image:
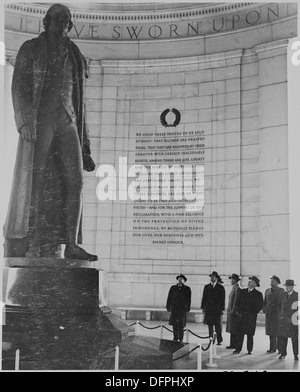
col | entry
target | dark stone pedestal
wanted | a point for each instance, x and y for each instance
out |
(145, 353)
(53, 316)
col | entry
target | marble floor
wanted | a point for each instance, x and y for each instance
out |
(259, 360)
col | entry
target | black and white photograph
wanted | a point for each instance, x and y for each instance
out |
(150, 154)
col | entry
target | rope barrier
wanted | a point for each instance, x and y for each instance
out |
(197, 336)
(170, 330)
(144, 326)
(184, 355)
(208, 346)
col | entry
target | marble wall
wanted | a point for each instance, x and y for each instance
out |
(248, 174)
(232, 86)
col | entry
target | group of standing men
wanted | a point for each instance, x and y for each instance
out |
(244, 304)
(281, 307)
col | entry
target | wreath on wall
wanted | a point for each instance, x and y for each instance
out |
(164, 121)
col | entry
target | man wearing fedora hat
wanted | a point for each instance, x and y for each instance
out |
(213, 305)
(272, 303)
(232, 318)
(250, 303)
(179, 304)
(288, 323)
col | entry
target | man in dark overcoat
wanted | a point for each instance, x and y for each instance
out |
(272, 301)
(48, 98)
(232, 319)
(288, 321)
(179, 304)
(250, 303)
(213, 305)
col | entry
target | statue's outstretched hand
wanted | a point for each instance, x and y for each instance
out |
(28, 133)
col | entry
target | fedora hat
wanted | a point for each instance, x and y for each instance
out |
(181, 276)
(235, 276)
(276, 278)
(289, 282)
(215, 274)
(256, 280)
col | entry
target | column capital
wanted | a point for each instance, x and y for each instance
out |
(266, 50)
(11, 60)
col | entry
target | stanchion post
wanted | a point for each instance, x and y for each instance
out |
(215, 356)
(17, 360)
(117, 357)
(211, 361)
(137, 328)
(161, 331)
(199, 357)
(187, 336)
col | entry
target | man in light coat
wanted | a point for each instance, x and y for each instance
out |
(232, 318)
(272, 303)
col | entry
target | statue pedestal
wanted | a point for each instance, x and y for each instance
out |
(56, 314)
(149, 353)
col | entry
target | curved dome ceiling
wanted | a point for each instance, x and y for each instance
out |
(129, 7)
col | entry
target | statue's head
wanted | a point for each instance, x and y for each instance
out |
(58, 19)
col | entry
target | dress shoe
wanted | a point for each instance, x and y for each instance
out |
(281, 357)
(249, 353)
(236, 352)
(271, 351)
(296, 358)
(219, 344)
(74, 251)
(230, 347)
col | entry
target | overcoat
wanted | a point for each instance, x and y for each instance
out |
(232, 318)
(272, 303)
(28, 78)
(213, 303)
(249, 305)
(288, 323)
(178, 303)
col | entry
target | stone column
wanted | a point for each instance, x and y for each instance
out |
(249, 165)
(273, 160)
(9, 138)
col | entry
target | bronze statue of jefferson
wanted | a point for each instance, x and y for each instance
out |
(48, 97)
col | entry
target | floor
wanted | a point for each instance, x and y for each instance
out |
(259, 360)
